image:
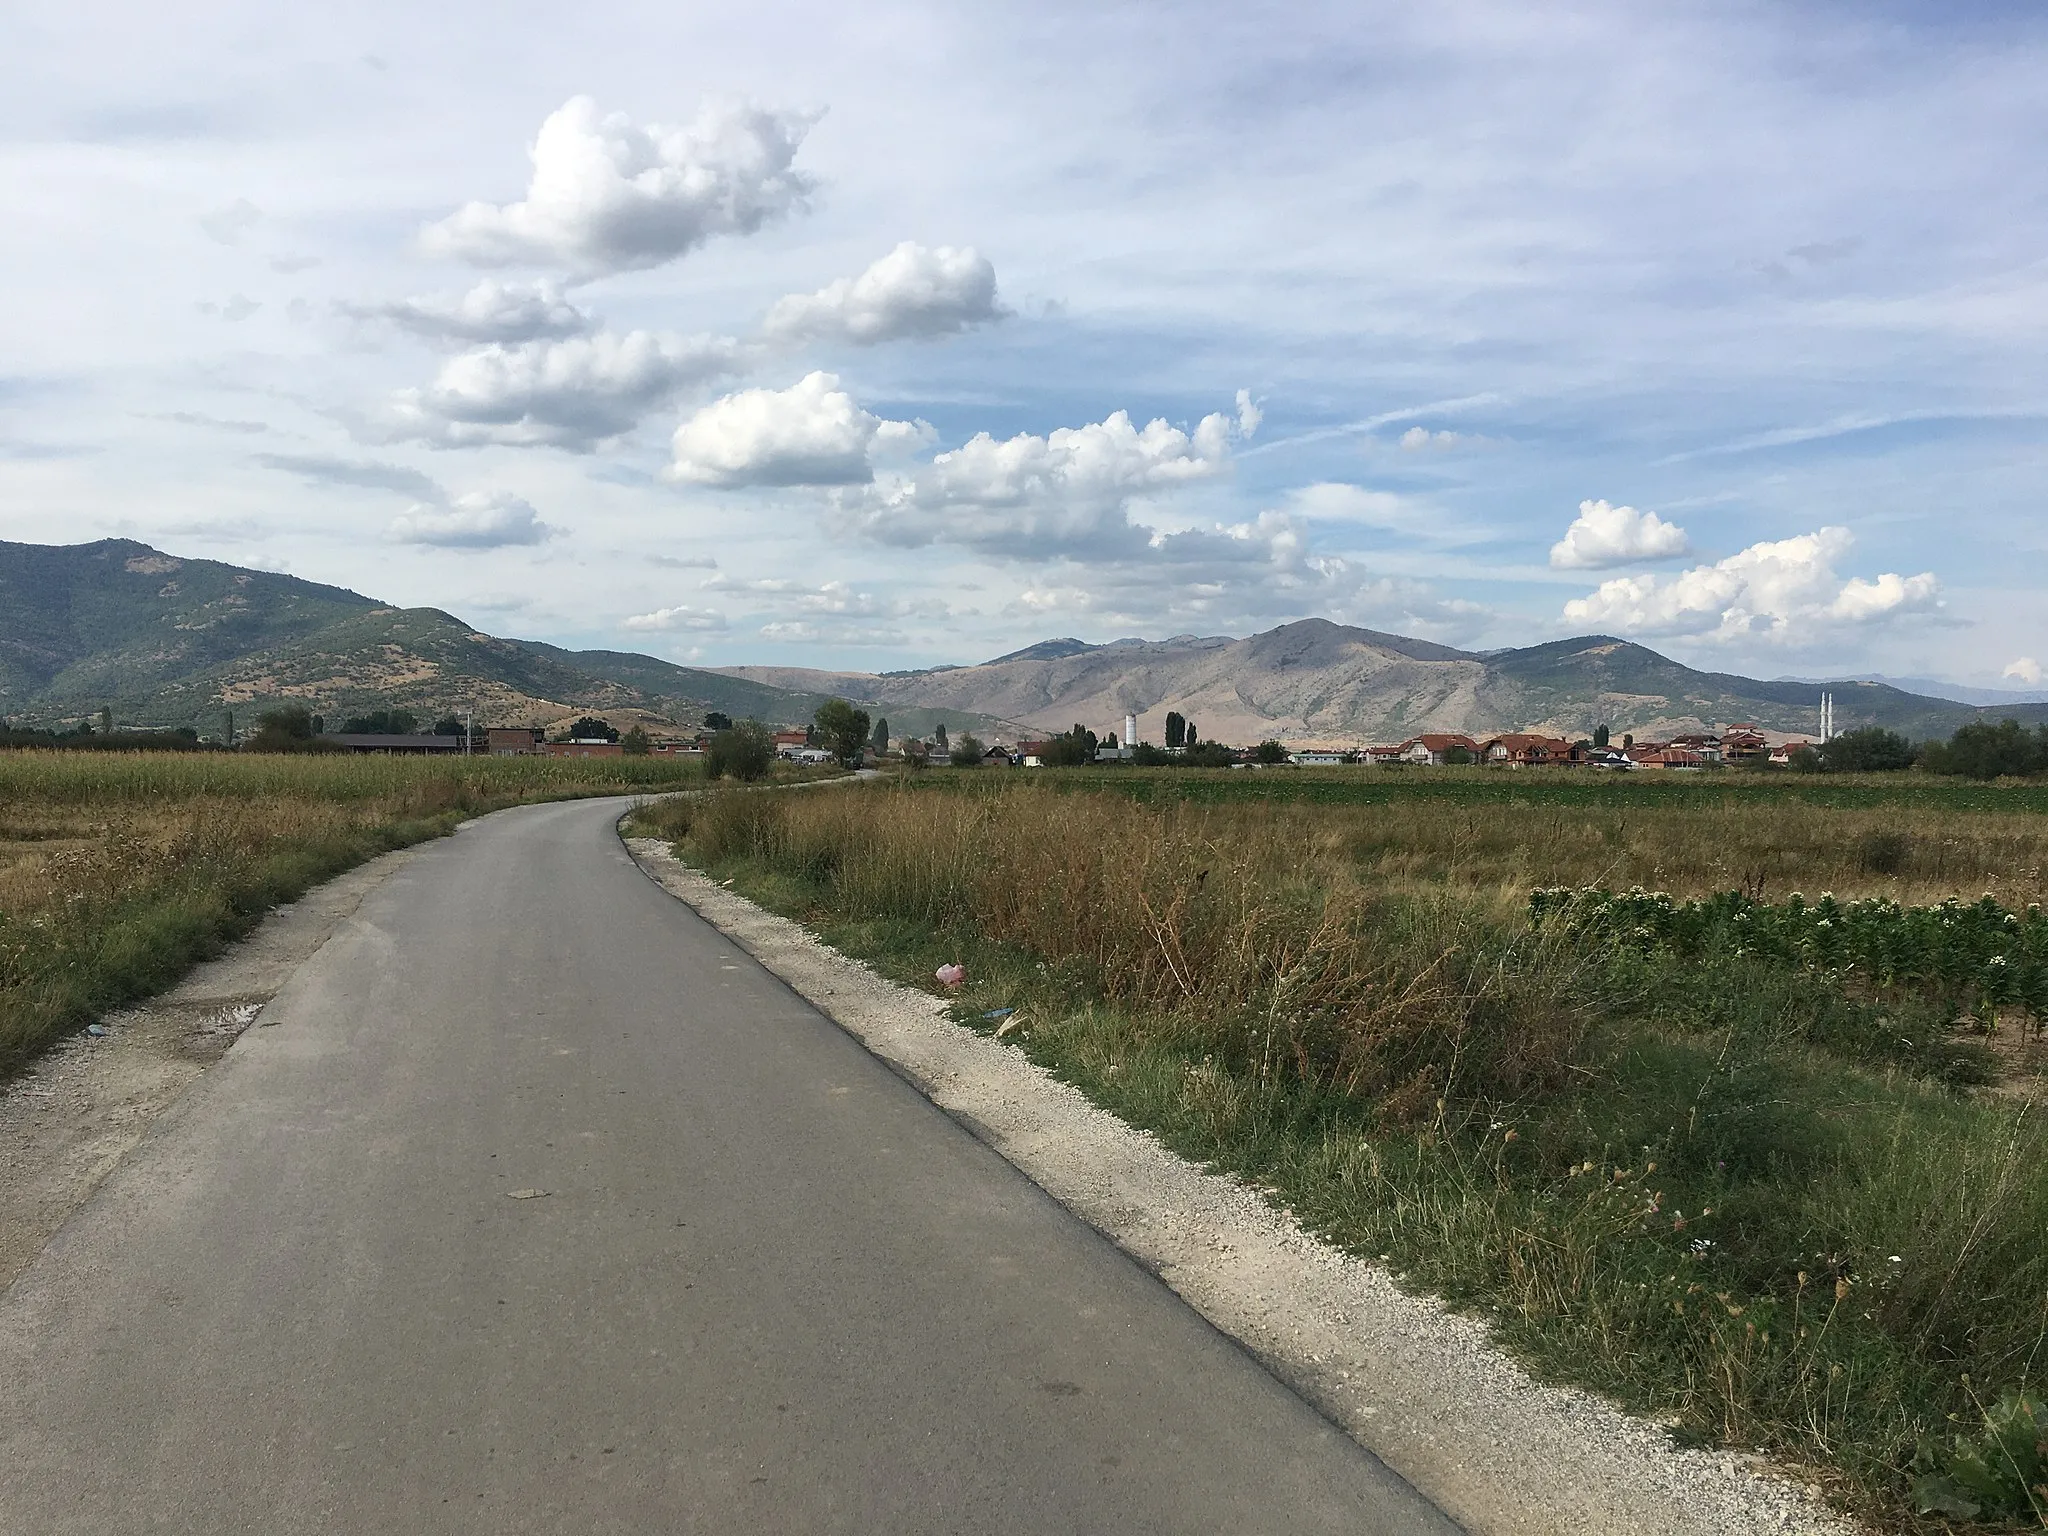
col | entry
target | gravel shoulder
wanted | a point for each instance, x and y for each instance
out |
(1417, 1385)
(67, 1122)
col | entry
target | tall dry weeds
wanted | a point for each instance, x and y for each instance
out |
(1248, 933)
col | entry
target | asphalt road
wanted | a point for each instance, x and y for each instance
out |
(768, 1286)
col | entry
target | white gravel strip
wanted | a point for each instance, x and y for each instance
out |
(1419, 1386)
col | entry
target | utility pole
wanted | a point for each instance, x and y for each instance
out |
(468, 729)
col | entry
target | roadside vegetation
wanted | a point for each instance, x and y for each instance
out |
(119, 871)
(1774, 1172)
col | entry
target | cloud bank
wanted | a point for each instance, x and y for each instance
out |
(1068, 493)
(809, 434)
(609, 196)
(1784, 592)
(914, 291)
(479, 520)
(1602, 537)
(573, 394)
(489, 312)
(681, 617)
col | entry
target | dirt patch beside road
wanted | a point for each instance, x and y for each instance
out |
(67, 1122)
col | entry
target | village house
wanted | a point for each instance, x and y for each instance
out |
(1431, 747)
(1664, 754)
(789, 743)
(1524, 749)
(1743, 743)
(513, 740)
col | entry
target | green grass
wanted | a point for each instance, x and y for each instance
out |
(119, 872)
(1724, 1193)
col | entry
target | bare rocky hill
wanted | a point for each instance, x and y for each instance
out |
(1319, 682)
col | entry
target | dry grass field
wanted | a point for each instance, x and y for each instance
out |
(118, 871)
(1732, 1188)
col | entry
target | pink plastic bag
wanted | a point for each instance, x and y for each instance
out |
(951, 975)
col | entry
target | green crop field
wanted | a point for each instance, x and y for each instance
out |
(1772, 1168)
(119, 871)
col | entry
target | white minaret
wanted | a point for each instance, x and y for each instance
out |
(1130, 732)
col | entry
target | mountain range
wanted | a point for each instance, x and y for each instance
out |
(163, 640)
(1315, 682)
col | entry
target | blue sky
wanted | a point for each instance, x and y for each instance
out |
(833, 336)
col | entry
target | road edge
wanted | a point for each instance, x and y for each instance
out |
(1415, 1384)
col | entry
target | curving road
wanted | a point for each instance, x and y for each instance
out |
(767, 1287)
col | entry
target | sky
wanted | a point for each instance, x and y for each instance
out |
(893, 335)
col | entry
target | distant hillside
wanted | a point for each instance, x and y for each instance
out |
(1315, 681)
(162, 640)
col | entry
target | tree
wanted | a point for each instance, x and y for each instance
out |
(880, 740)
(1070, 749)
(1269, 751)
(447, 725)
(1869, 749)
(288, 728)
(384, 722)
(1188, 736)
(635, 743)
(106, 721)
(589, 728)
(741, 752)
(717, 720)
(841, 730)
(1601, 736)
(1176, 728)
(1803, 759)
(1207, 754)
(939, 737)
(1981, 750)
(1459, 756)
(966, 753)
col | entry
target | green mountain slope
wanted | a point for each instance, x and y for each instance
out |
(116, 624)
(162, 640)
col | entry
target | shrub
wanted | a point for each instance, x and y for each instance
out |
(742, 752)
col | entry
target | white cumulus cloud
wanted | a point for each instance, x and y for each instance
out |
(681, 617)
(1603, 536)
(2024, 669)
(1783, 591)
(608, 195)
(478, 520)
(915, 290)
(1067, 493)
(812, 433)
(489, 312)
(572, 394)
